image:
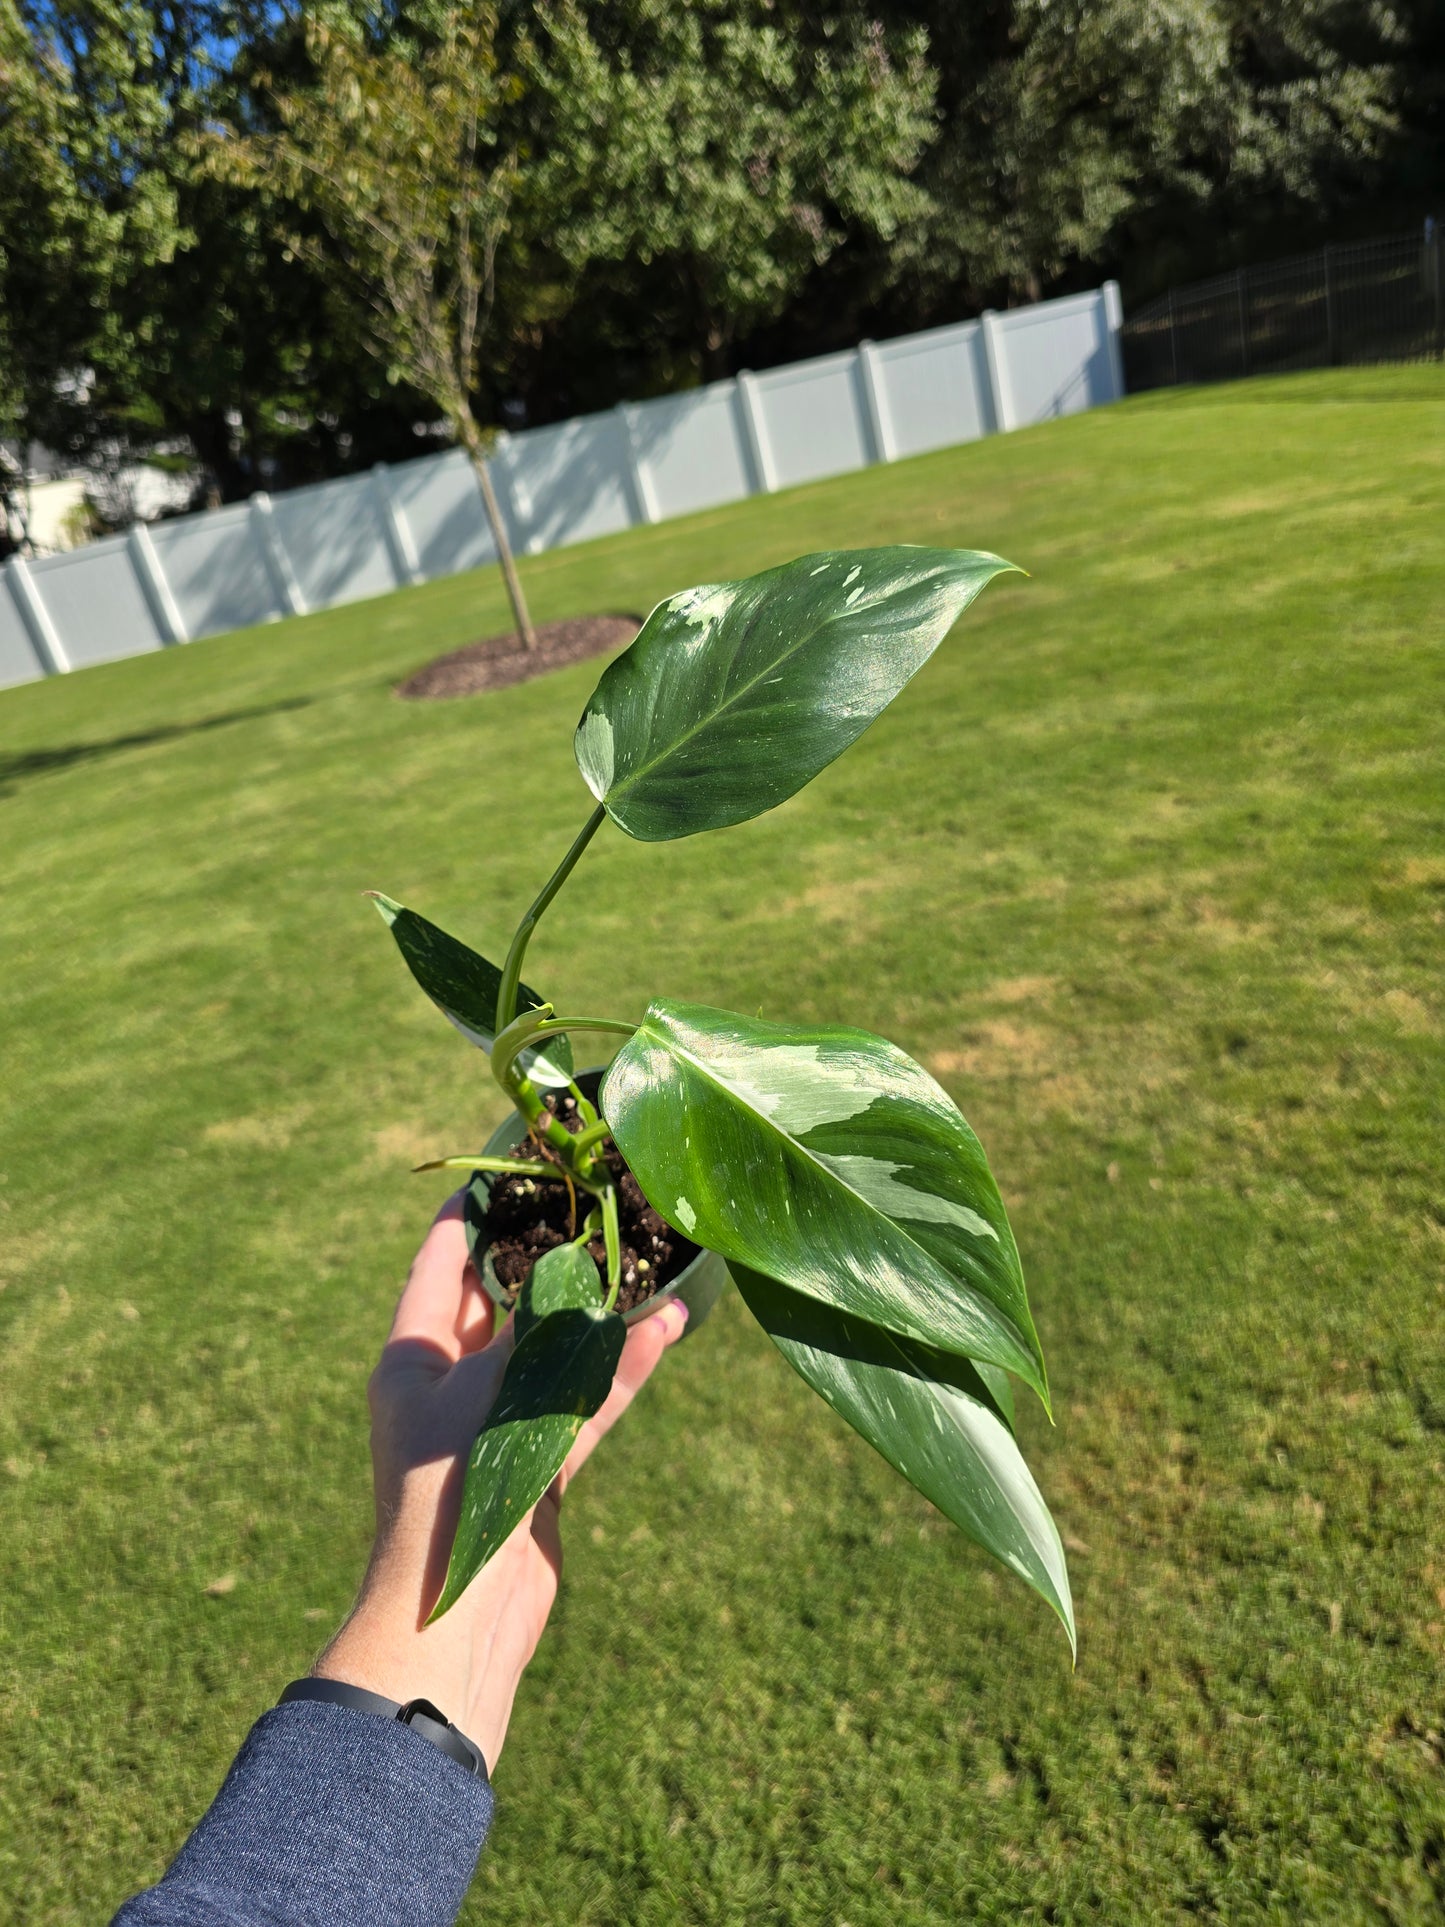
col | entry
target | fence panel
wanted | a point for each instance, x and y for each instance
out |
(97, 604)
(216, 571)
(18, 660)
(815, 419)
(1056, 359)
(439, 497)
(334, 541)
(935, 388)
(575, 478)
(690, 449)
(362, 535)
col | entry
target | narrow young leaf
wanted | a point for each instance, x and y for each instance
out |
(734, 695)
(934, 1419)
(563, 1279)
(559, 1375)
(826, 1158)
(464, 986)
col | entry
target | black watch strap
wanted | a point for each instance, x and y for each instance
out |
(420, 1715)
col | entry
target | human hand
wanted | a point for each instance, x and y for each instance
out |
(439, 1375)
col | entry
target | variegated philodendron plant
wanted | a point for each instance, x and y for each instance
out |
(852, 1203)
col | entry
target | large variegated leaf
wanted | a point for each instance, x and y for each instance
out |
(559, 1375)
(828, 1159)
(464, 986)
(932, 1417)
(736, 694)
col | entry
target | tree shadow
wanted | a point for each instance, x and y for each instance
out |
(40, 762)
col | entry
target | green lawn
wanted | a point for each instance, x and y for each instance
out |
(1147, 865)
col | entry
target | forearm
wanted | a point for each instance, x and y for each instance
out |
(327, 1816)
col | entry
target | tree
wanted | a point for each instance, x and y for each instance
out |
(1076, 133)
(399, 156)
(691, 166)
(87, 203)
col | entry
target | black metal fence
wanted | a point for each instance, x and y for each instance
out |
(1372, 301)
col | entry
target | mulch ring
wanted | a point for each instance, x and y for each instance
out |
(500, 661)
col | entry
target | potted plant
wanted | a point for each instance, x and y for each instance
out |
(835, 1180)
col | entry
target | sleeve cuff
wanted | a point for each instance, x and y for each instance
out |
(329, 1817)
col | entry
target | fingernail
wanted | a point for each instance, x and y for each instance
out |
(677, 1316)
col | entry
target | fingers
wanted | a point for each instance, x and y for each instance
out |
(443, 1304)
(478, 1319)
(646, 1342)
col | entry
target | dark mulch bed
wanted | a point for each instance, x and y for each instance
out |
(499, 661)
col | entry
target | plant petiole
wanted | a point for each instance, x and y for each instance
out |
(553, 1026)
(512, 969)
(612, 1236)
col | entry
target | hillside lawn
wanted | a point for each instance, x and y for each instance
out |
(1147, 865)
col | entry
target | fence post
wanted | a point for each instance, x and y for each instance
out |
(278, 563)
(1241, 295)
(1439, 294)
(875, 402)
(400, 547)
(995, 359)
(639, 481)
(755, 432)
(1113, 334)
(44, 636)
(147, 565)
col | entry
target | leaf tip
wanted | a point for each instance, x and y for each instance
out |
(386, 907)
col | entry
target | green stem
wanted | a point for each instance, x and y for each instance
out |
(553, 1026)
(589, 1229)
(512, 970)
(612, 1235)
(594, 1134)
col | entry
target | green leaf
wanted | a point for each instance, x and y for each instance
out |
(735, 694)
(559, 1375)
(464, 987)
(563, 1279)
(932, 1417)
(1000, 1389)
(828, 1159)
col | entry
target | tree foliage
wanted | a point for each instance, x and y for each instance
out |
(431, 209)
(401, 155)
(696, 165)
(88, 204)
(1075, 132)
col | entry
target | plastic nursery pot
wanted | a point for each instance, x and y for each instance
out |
(699, 1285)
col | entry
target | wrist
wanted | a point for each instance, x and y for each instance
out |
(373, 1651)
(386, 1655)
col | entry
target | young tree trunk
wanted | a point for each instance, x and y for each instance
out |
(472, 441)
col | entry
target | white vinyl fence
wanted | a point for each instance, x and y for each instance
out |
(335, 542)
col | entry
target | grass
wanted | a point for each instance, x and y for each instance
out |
(1147, 864)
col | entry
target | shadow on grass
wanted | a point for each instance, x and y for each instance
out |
(39, 762)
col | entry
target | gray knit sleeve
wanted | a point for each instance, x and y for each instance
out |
(327, 1818)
